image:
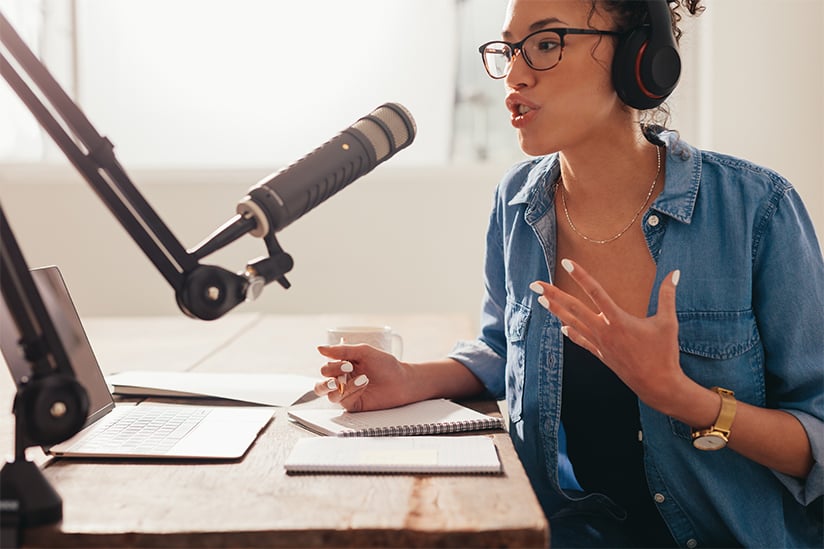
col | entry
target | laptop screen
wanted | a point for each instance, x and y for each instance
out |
(63, 314)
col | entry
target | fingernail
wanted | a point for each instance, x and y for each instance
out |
(676, 276)
(361, 380)
(544, 301)
(343, 379)
(346, 367)
(565, 330)
(567, 265)
(536, 287)
(331, 384)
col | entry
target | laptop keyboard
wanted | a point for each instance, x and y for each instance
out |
(144, 430)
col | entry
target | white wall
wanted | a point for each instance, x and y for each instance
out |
(410, 237)
(228, 84)
(399, 239)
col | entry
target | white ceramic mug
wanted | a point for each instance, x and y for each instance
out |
(380, 337)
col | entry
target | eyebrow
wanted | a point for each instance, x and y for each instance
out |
(537, 25)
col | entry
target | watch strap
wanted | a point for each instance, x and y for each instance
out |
(727, 414)
(723, 423)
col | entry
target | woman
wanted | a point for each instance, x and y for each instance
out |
(641, 419)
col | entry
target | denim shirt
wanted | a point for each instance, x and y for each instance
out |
(750, 307)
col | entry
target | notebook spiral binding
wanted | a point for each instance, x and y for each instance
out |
(424, 428)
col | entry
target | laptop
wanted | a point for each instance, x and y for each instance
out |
(145, 430)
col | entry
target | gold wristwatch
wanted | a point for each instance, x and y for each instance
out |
(717, 436)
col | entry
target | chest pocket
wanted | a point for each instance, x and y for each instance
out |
(722, 348)
(717, 335)
(517, 320)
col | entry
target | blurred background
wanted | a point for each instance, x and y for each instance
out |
(203, 98)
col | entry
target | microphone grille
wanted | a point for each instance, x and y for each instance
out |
(392, 118)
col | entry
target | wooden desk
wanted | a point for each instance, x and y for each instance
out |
(252, 502)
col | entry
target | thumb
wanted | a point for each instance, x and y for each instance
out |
(666, 295)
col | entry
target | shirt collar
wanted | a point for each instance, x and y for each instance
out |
(537, 192)
(683, 177)
(677, 200)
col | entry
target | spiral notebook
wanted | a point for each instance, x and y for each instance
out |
(471, 454)
(428, 417)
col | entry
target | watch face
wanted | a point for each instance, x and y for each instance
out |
(709, 442)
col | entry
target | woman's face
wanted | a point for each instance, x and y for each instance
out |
(574, 101)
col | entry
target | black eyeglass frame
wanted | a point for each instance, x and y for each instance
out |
(518, 46)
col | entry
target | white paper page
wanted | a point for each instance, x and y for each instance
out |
(424, 417)
(424, 454)
(267, 389)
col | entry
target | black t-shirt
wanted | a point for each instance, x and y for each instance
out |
(602, 424)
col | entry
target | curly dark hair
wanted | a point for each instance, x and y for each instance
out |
(629, 14)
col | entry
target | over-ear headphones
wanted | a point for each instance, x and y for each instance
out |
(647, 65)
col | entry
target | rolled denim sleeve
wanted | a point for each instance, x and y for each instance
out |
(788, 298)
(485, 363)
(807, 491)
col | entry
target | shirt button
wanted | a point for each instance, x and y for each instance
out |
(692, 544)
(653, 221)
(659, 498)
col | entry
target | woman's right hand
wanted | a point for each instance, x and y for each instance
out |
(371, 379)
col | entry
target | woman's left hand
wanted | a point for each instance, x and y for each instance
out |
(643, 352)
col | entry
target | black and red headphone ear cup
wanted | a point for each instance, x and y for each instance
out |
(660, 70)
(647, 65)
(626, 70)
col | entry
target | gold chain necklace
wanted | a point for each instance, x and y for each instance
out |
(631, 221)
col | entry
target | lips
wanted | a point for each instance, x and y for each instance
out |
(522, 110)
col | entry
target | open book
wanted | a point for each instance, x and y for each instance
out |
(426, 454)
(428, 417)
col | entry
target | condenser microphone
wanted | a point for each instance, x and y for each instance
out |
(279, 199)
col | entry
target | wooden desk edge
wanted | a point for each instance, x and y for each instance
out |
(520, 538)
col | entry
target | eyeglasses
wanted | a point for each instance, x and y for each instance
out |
(542, 50)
